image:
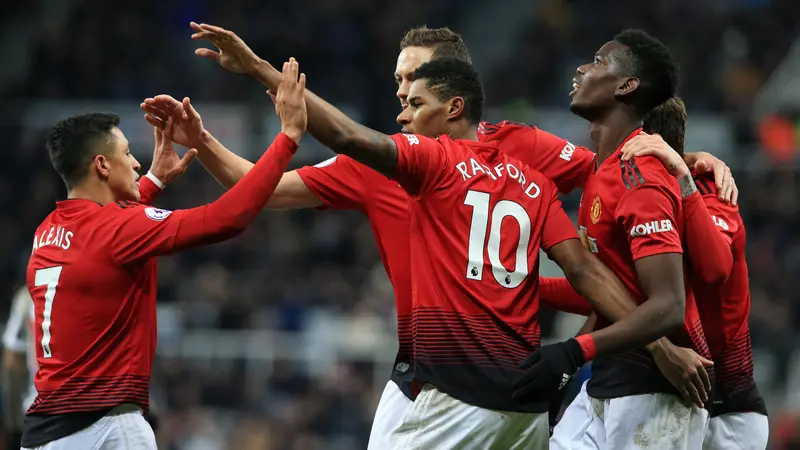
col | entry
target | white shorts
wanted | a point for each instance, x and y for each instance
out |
(652, 421)
(438, 421)
(126, 431)
(744, 431)
(389, 415)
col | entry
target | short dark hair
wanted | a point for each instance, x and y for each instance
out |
(445, 42)
(669, 120)
(452, 77)
(652, 63)
(72, 143)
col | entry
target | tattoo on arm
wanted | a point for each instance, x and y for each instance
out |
(687, 185)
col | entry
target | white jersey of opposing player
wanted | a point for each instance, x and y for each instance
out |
(18, 337)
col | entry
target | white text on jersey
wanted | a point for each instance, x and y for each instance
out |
(471, 168)
(567, 151)
(720, 223)
(656, 226)
(58, 236)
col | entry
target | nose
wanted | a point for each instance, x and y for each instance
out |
(404, 118)
(582, 69)
(402, 94)
(135, 165)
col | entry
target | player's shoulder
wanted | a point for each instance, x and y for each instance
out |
(507, 130)
(125, 210)
(705, 183)
(643, 171)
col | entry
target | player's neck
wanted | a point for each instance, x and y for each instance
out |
(610, 131)
(95, 191)
(464, 131)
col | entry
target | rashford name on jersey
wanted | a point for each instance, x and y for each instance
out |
(472, 168)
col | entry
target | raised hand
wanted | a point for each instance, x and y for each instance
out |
(686, 370)
(232, 53)
(290, 104)
(167, 165)
(188, 125)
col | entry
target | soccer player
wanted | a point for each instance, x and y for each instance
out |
(738, 412)
(18, 366)
(631, 217)
(92, 274)
(341, 183)
(474, 298)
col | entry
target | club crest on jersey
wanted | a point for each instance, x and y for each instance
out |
(596, 209)
(157, 214)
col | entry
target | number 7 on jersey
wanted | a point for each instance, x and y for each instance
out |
(47, 277)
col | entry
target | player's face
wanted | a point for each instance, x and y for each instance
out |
(408, 61)
(596, 84)
(425, 114)
(123, 169)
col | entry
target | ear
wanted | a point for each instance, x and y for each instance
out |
(455, 108)
(101, 165)
(629, 85)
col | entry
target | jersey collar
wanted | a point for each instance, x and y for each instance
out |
(77, 203)
(618, 151)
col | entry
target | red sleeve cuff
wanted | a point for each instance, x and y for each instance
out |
(283, 139)
(586, 342)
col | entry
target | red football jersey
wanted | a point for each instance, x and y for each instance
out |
(342, 183)
(92, 277)
(566, 164)
(477, 220)
(724, 310)
(631, 210)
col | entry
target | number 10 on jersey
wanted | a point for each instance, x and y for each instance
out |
(480, 201)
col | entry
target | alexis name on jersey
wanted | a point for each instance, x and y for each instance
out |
(57, 236)
(472, 168)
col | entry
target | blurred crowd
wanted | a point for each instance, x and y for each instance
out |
(290, 269)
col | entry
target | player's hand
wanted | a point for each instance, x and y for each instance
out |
(232, 53)
(702, 162)
(548, 369)
(290, 103)
(188, 125)
(686, 370)
(167, 165)
(654, 145)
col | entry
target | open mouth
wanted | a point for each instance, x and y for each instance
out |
(575, 87)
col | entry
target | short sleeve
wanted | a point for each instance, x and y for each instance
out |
(139, 232)
(648, 215)
(421, 162)
(15, 334)
(725, 217)
(557, 227)
(566, 164)
(338, 182)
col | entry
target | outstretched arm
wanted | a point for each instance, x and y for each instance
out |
(326, 123)
(225, 166)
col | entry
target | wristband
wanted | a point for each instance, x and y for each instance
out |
(149, 175)
(586, 342)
